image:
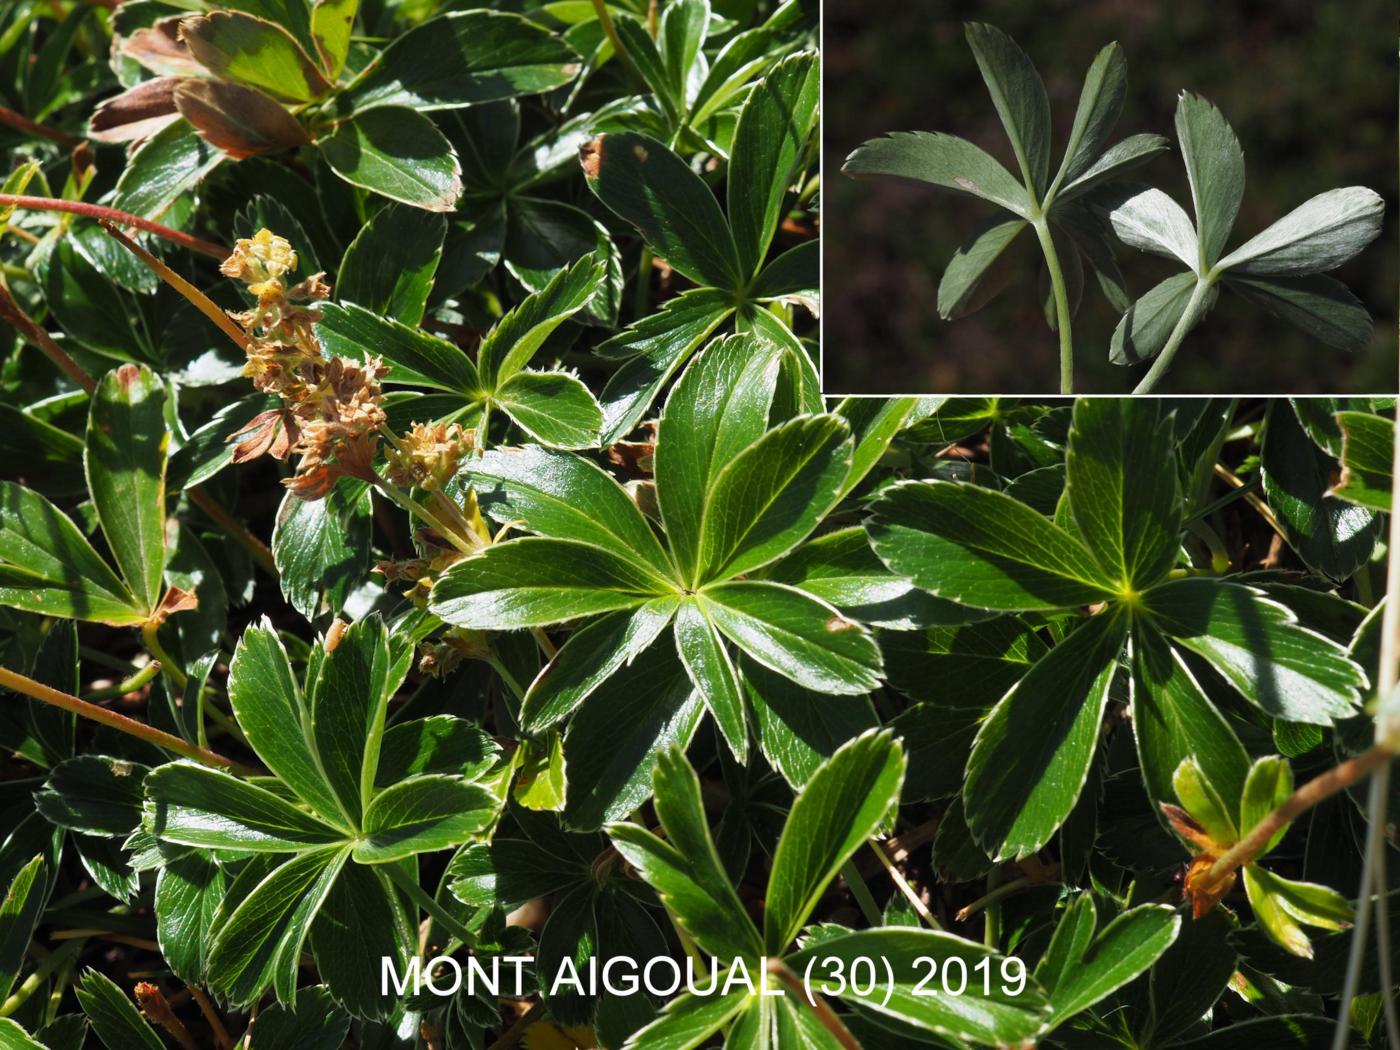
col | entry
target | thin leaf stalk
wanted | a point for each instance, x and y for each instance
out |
(114, 215)
(902, 884)
(52, 963)
(823, 1013)
(150, 634)
(1373, 864)
(1188, 320)
(19, 683)
(36, 336)
(426, 901)
(1063, 321)
(861, 892)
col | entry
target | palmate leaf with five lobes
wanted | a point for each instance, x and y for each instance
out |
(553, 407)
(1110, 551)
(847, 800)
(347, 795)
(734, 495)
(47, 566)
(725, 255)
(1280, 269)
(955, 164)
(231, 74)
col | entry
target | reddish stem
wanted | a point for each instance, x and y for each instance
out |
(23, 123)
(97, 211)
(12, 312)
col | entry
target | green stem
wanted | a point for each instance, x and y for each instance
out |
(425, 900)
(149, 631)
(413, 507)
(641, 301)
(1062, 314)
(36, 980)
(861, 892)
(128, 685)
(1189, 318)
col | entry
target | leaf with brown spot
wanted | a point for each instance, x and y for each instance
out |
(137, 113)
(238, 120)
(158, 47)
(255, 52)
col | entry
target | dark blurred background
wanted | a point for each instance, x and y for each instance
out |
(1310, 89)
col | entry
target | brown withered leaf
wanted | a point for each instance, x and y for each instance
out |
(1203, 894)
(175, 600)
(158, 47)
(239, 120)
(137, 113)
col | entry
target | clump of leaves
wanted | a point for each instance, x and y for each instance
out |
(1281, 269)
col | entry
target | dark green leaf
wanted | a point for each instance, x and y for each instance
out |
(93, 794)
(388, 268)
(115, 1020)
(554, 408)
(398, 153)
(421, 815)
(1215, 167)
(413, 357)
(1319, 305)
(943, 160)
(1020, 99)
(1368, 451)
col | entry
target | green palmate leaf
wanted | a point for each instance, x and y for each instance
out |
(554, 408)
(115, 1019)
(1202, 800)
(942, 160)
(1100, 103)
(972, 276)
(614, 738)
(168, 164)
(332, 24)
(1215, 168)
(845, 802)
(683, 28)
(268, 705)
(315, 1022)
(718, 408)
(1120, 479)
(643, 52)
(437, 744)
(645, 183)
(321, 547)
(1007, 1013)
(48, 567)
(125, 459)
(398, 153)
(464, 58)
(1113, 163)
(591, 656)
(423, 814)
(874, 426)
(706, 660)
(1021, 786)
(361, 924)
(260, 942)
(533, 582)
(1173, 720)
(800, 728)
(19, 911)
(772, 495)
(1257, 645)
(1020, 99)
(388, 268)
(1368, 450)
(793, 277)
(1080, 969)
(684, 869)
(188, 892)
(1268, 786)
(687, 1021)
(239, 120)
(1321, 306)
(565, 497)
(413, 357)
(1149, 220)
(1282, 907)
(981, 548)
(253, 51)
(515, 339)
(93, 794)
(1332, 537)
(87, 305)
(14, 1037)
(1318, 235)
(657, 345)
(795, 634)
(985, 659)
(769, 140)
(193, 805)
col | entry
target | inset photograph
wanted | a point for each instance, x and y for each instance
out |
(1108, 198)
